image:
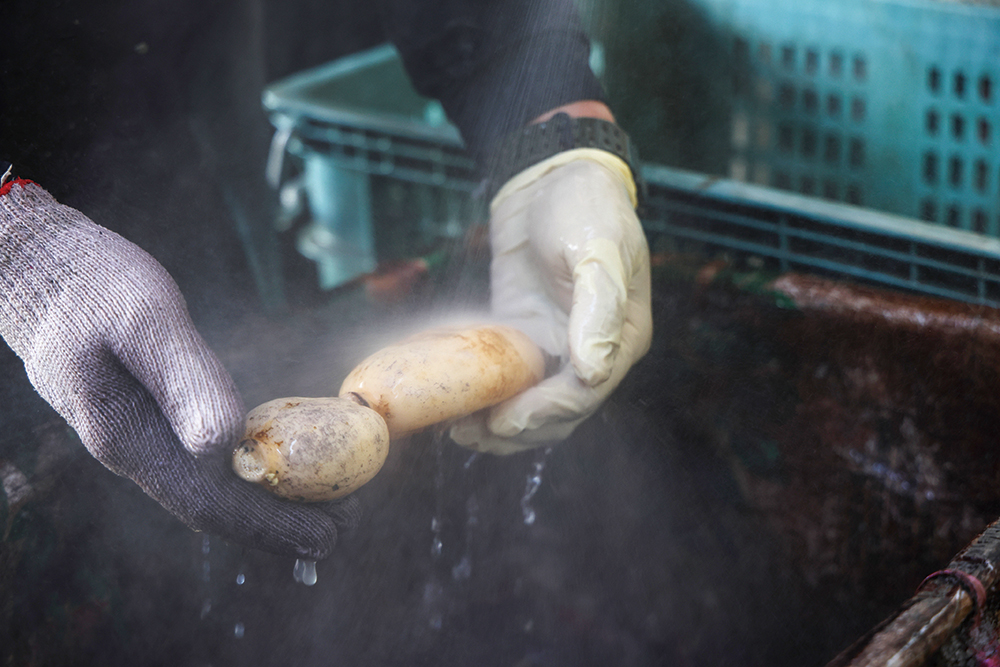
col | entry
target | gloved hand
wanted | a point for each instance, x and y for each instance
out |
(106, 339)
(570, 269)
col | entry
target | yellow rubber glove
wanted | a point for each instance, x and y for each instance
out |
(570, 269)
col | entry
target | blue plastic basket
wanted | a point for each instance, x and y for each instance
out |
(887, 104)
(362, 137)
(352, 132)
(791, 232)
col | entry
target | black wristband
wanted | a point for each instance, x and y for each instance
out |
(534, 143)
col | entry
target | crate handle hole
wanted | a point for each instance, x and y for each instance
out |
(812, 62)
(836, 64)
(985, 88)
(856, 153)
(934, 79)
(933, 122)
(860, 68)
(810, 101)
(833, 105)
(983, 131)
(959, 84)
(982, 175)
(788, 57)
(858, 109)
(958, 126)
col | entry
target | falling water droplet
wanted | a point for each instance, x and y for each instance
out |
(206, 566)
(206, 607)
(531, 487)
(238, 631)
(529, 515)
(463, 570)
(471, 512)
(433, 590)
(433, 594)
(437, 545)
(240, 579)
(305, 571)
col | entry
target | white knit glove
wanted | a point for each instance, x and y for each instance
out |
(570, 269)
(106, 339)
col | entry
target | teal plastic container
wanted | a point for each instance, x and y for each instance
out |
(383, 173)
(892, 105)
(362, 135)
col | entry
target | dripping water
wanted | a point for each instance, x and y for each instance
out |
(531, 486)
(433, 594)
(463, 570)
(304, 572)
(206, 574)
(437, 546)
(239, 629)
(433, 590)
(206, 565)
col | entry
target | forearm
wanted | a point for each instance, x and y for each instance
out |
(495, 65)
(581, 109)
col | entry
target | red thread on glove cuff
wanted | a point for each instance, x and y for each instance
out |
(18, 181)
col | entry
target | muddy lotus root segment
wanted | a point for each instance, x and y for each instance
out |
(314, 449)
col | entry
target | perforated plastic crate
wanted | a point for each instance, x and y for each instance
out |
(791, 232)
(348, 126)
(887, 104)
(367, 148)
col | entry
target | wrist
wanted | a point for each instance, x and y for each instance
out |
(537, 142)
(579, 109)
(612, 163)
